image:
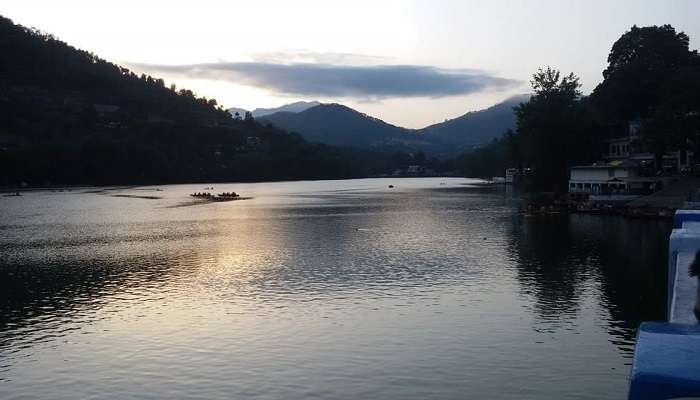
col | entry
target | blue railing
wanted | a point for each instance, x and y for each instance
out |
(667, 354)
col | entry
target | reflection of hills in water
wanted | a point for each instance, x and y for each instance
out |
(562, 260)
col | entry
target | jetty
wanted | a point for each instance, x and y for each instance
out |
(667, 354)
(674, 195)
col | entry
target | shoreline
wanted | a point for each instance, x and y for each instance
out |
(12, 189)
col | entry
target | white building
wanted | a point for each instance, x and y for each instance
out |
(626, 171)
(617, 180)
(612, 178)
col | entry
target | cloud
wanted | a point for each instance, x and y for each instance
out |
(306, 56)
(332, 80)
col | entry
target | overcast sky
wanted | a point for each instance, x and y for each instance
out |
(410, 63)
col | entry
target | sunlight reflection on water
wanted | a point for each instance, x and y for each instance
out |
(329, 289)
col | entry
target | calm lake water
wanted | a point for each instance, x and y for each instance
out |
(436, 289)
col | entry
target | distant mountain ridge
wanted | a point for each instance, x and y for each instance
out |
(295, 107)
(339, 125)
(477, 127)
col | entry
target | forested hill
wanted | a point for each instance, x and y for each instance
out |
(70, 117)
(339, 125)
(336, 124)
(38, 64)
(476, 128)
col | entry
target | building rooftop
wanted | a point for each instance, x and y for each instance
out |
(611, 164)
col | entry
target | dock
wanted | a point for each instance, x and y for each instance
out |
(674, 195)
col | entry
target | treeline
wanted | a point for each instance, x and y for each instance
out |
(652, 77)
(70, 117)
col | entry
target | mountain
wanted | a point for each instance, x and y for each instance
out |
(296, 107)
(476, 128)
(70, 117)
(339, 125)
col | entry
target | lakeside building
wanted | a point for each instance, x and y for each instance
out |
(628, 147)
(626, 172)
(614, 178)
(511, 175)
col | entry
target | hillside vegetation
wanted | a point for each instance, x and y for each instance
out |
(70, 117)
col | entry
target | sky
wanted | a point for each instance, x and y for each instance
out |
(410, 63)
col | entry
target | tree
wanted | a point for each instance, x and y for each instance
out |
(552, 130)
(638, 64)
(513, 148)
(674, 122)
(548, 83)
(486, 161)
(652, 76)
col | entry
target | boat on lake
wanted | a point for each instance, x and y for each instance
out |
(226, 196)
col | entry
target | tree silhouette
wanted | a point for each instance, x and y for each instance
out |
(653, 76)
(553, 129)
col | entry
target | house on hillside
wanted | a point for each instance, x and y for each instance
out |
(628, 147)
(626, 172)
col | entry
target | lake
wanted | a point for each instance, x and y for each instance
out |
(435, 289)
